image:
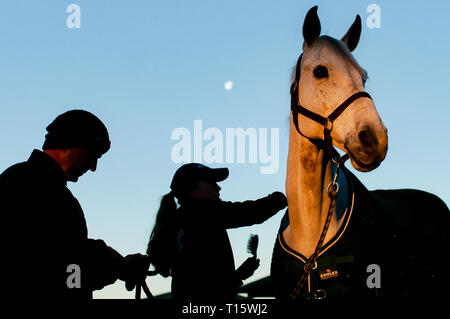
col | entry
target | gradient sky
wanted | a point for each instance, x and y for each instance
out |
(148, 67)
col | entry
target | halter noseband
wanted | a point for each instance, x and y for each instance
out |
(326, 122)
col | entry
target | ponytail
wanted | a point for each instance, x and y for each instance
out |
(161, 247)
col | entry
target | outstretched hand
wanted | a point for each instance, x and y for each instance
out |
(247, 268)
(280, 199)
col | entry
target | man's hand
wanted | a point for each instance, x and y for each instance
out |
(247, 268)
(136, 270)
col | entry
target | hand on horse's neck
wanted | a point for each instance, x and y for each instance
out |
(307, 179)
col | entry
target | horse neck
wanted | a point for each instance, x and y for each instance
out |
(308, 175)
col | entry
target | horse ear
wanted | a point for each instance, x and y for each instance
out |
(311, 26)
(351, 38)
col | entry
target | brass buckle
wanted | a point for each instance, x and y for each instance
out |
(312, 268)
(320, 294)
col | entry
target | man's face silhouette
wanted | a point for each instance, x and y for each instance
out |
(77, 161)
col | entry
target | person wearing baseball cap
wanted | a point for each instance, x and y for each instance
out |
(50, 256)
(190, 242)
(190, 174)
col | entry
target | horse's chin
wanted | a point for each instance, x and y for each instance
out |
(362, 167)
(363, 161)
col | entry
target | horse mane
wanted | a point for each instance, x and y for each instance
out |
(340, 49)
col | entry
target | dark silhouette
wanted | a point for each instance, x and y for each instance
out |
(44, 230)
(191, 243)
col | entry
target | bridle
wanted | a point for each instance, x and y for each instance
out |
(331, 153)
(326, 122)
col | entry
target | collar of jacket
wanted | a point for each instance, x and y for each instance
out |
(47, 167)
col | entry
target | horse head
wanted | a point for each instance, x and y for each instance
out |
(330, 75)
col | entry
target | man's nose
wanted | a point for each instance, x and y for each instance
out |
(93, 165)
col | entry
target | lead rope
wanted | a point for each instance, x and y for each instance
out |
(332, 190)
(143, 285)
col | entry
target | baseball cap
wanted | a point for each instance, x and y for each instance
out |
(189, 174)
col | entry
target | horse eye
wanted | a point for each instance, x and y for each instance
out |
(320, 72)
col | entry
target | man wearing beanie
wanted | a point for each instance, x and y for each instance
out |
(46, 251)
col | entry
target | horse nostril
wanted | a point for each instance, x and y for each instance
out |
(367, 137)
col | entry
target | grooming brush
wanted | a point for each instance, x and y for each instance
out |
(252, 245)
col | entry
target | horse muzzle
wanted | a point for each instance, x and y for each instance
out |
(367, 149)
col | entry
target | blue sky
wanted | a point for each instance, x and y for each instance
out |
(148, 67)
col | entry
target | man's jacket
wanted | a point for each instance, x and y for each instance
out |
(45, 246)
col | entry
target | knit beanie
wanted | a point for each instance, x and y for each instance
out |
(77, 128)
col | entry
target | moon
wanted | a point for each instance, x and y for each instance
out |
(228, 85)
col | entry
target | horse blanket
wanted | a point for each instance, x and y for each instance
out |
(399, 236)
